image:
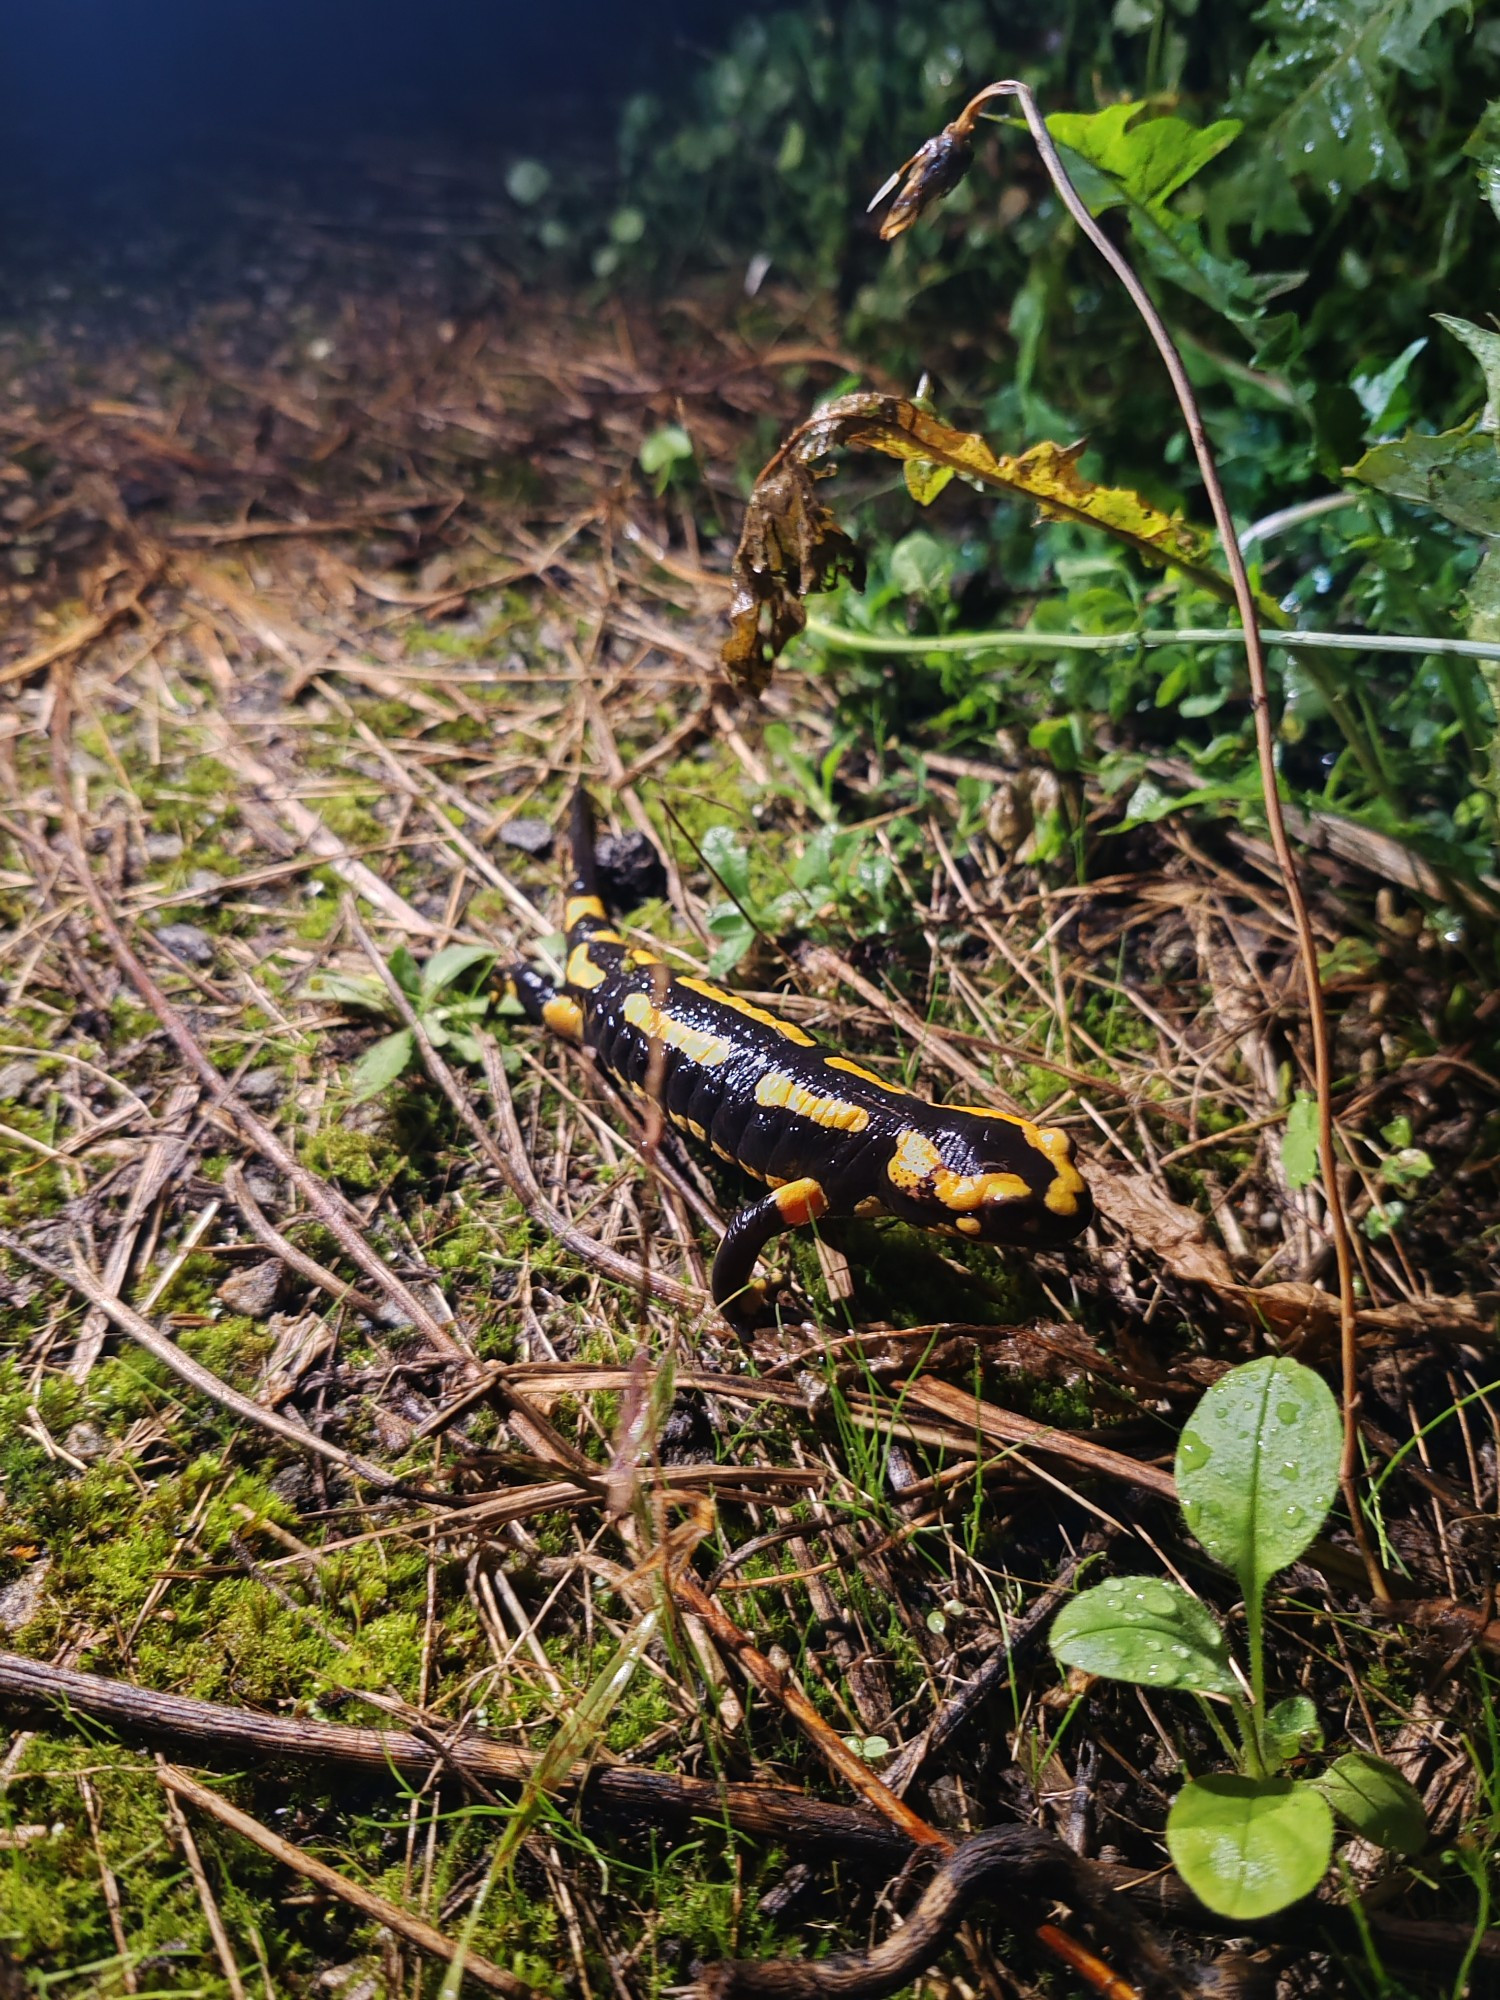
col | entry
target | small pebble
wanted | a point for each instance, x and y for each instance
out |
(532, 836)
(261, 1086)
(187, 941)
(253, 1291)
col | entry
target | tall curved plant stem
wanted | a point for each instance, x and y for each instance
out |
(1317, 1013)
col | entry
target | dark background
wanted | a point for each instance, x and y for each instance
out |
(93, 92)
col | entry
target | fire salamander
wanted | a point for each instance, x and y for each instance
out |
(823, 1134)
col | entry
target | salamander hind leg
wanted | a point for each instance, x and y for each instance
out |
(789, 1207)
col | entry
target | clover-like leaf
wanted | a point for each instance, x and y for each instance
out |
(1258, 1466)
(1248, 1847)
(1372, 1796)
(1146, 1630)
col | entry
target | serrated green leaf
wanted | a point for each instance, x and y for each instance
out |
(1299, 1142)
(728, 861)
(381, 1064)
(1146, 1630)
(1258, 1466)
(1372, 1796)
(1150, 158)
(1457, 474)
(1317, 92)
(1248, 1847)
(1484, 344)
(445, 966)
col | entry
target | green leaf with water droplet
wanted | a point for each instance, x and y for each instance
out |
(1146, 1630)
(1317, 92)
(1293, 1727)
(1258, 1466)
(1373, 1797)
(1248, 1847)
(1299, 1143)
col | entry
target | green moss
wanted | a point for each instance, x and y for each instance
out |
(357, 1158)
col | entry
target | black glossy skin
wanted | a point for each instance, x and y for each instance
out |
(833, 1140)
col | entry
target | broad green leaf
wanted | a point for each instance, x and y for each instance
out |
(921, 565)
(1293, 1727)
(1258, 1466)
(1143, 1629)
(1457, 474)
(449, 964)
(1299, 1143)
(1484, 344)
(381, 1064)
(1316, 92)
(405, 971)
(735, 933)
(1119, 159)
(1483, 145)
(1248, 1847)
(1150, 158)
(728, 861)
(1372, 1796)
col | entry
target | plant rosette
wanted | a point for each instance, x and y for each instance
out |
(1257, 1470)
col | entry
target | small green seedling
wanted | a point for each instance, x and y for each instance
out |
(1257, 1470)
(443, 996)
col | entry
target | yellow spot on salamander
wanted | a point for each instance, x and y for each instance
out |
(697, 1044)
(1055, 1147)
(779, 1092)
(1067, 1185)
(865, 1075)
(801, 1202)
(564, 1017)
(918, 1168)
(914, 1161)
(578, 907)
(969, 1224)
(638, 957)
(870, 1205)
(581, 970)
(767, 1020)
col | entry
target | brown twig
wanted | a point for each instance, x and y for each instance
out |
(413, 1929)
(320, 1198)
(1265, 743)
(186, 1369)
(1023, 1862)
(265, 1232)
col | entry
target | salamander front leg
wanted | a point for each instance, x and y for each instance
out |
(789, 1207)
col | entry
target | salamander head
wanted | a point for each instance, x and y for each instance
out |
(984, 1175)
